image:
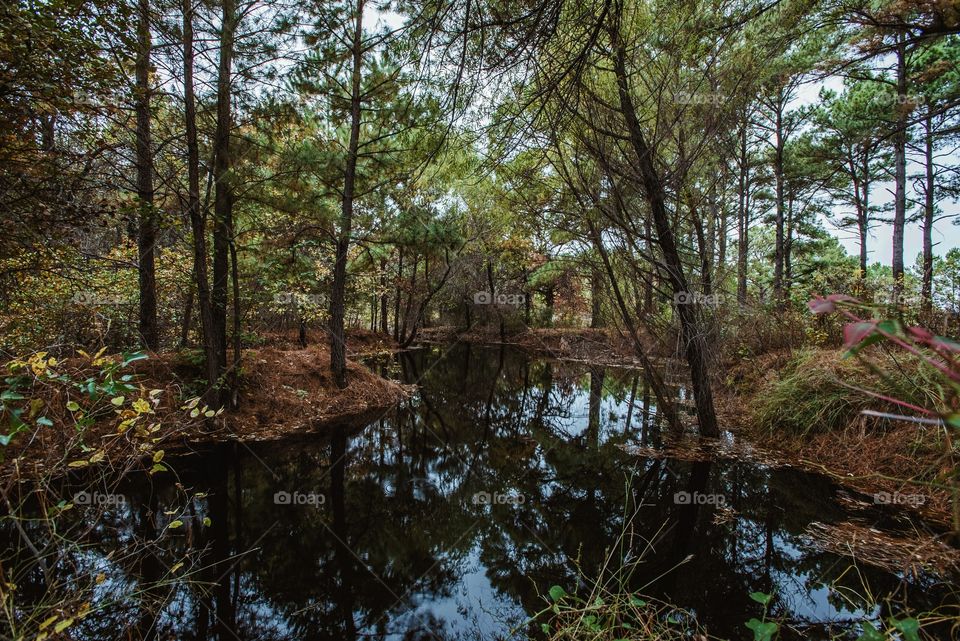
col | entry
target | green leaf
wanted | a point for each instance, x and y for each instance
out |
(130, 358)
(557, 593)
(10, 395)
(175, 524)
(760, 597)
(206, 521)
(762, 631)
(637, 601)
(870, 633)
(890, 326)
(158, 467)
(117, 400)
(46, 422)
(73, 406)
(909, 627)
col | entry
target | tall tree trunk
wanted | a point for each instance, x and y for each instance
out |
(713, 221)
(900, 170)
(743, 226)
(338, 348)
(695, 345)
(928, 214)
(788, 250)
(778, 258)
(596, 296)
(723, 221)
(651, 280)
(703, 243)
(197, 219)
(396, 300)
(223, 196)
(235, 279)
(147, 233)
(862, 223)
(665, 403)
(383, 296)
(187, 316)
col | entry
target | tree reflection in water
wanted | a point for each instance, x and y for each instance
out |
(401, 547)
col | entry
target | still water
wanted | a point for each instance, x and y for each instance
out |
(451, 516)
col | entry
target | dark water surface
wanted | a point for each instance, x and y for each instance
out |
(449, 518)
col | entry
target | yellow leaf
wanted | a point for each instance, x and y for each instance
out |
(63, 625)
(98, 456)
(46, 623)
(78, 463)
(141, 406)
(158, 456)
(176, 567)
(117, 400)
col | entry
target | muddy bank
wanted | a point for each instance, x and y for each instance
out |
(899, 459)
(281, 393)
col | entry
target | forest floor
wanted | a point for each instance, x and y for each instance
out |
(866, 455)
(284, 391)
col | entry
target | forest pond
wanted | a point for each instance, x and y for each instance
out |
(452, 516)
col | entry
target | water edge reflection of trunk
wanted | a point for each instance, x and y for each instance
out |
(342, 554)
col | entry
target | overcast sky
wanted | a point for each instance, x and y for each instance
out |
(946, 235)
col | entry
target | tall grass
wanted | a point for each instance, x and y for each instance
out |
(821, 391)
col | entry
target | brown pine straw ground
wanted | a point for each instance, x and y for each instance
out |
(903, 457)
(912, 554)
(282, 393)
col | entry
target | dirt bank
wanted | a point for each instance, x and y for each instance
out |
(867, 454)
(281, 393)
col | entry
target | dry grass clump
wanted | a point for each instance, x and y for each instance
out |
(820, 391)
(915, 554)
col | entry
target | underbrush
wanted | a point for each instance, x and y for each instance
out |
(821, 391)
